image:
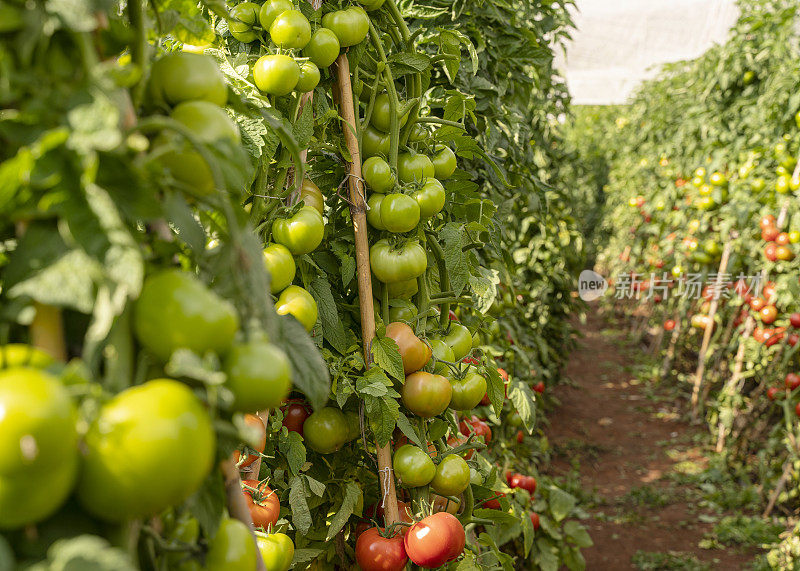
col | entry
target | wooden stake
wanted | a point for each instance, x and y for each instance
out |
(237, 506)
(701, 364)
(358, 211)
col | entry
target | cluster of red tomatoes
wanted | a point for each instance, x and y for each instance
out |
(778, 243)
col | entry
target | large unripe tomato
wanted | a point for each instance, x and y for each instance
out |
(301, 233)
(431, 197)
(209, 124)
(277, 551)
(323, 48)
(21, 355)
(444, 162)
(414, 167)
(242, 18)
(460, 340)
(38, 446)
(297, 302)
(309, 77)
(397, 264)
(378, 174)
(259, 375)
(326, 430)
(271, 9)
(435, 540)
(232, 548)
(414, 352)
(374, 143)
(381, 117)
(452, 476)
(377, 553)
(280, 265)
(374, 211)
(426, 394)
(467, 392)
(402, 310)
(311, 195)
(151, 447)
(399, 213)
(263, 503)
(182, 76)
(276, 74)
(350, 25)
(176, 310)
(442, 352)
(290, 30)
(412, 466)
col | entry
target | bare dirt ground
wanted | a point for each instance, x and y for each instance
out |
(631, 451)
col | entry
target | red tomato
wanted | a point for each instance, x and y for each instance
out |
(757, 303)
(435, 540)
(768, 314)
(792, 381)
(539, 387)
(768, 291)
(476, 425)
(520, 436)
(519, 481)
(452, 315)
(771, 252)
(797, 409)
(773, 393)
(782, 239)
(769, 233)
(263, 503)
(669, 325)
(793, 339)
(503, 374)
(535, 521)
(767, 221)
(377, 553)
(794, 319)
(494, 503)
(257, 423)
(775, 336)
(295, 413)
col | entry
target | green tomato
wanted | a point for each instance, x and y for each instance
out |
(277, 551)
(401, 310)
(326, 430)
(276, 74)
(371, 5)
(381, 117)
(176, 310)
(467, 392)
(311, 195)
(718, 179)
(378, 174)
(209, 124)
(21, 355)
(397, 264)
(758, 184)
(151, 447)
(323, 49)
(232, 548)
(413, 467)
(399, 213)
(794, 237)
(426, 394)
(705, 190)
(309, 77)
(418, 133)
(271, 9)
(452, 476)
(405, 289)
(290, 30)
(374, 143)
(280, 265)
(182, 76)
(782, 184)
(351, 25)
(442, 352)
(297, 302)
(38, 446)
(431, 197)
(444, 162)
(374, 211)
(301, 233)
(460, 340)
(259, 375)
(414, 167)
(242, 18)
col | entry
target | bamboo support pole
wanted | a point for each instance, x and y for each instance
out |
(359, 214)
(703, 357)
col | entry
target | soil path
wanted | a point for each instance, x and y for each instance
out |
(634, 456)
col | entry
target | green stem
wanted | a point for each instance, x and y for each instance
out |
(391, 90)
(136, 16)
(439, 121)
(444, 279)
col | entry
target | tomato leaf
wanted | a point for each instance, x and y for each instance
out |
(387, 356)
(87, 552)
(352, 493)
(292, 447)
(301, 515)
(332, 328)
(524, 401)
(208, 503)
(495, 388)
(383, 413)
(309, 372)
(561, 503)
(407, 428)
(578, 534)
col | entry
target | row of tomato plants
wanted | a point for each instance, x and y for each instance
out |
(701, 228)
(198, 158)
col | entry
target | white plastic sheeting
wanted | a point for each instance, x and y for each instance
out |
(620, 43)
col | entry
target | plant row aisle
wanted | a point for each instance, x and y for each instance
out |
(699, 238)
(280, 286)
